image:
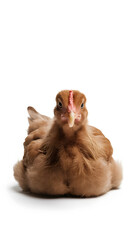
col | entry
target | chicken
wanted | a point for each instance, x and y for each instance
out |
(65, 155)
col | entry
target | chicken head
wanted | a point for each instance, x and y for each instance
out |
(70, 110)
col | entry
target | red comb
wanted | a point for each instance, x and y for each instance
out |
(70, 101)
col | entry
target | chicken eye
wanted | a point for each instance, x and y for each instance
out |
(82, 105)
(60, 104)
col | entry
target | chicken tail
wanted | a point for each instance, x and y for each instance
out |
(36, 120)
(116, 174)
(34, 114)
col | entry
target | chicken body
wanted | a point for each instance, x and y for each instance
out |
(60, 160)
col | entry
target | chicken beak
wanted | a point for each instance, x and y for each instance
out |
(71, 119)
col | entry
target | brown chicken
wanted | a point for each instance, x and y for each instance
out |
(65, 155)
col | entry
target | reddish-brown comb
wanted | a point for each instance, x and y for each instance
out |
(70, 101)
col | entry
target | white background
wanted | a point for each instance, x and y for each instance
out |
(47, 46)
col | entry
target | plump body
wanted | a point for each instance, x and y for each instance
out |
(73, 173)
(60, 161)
